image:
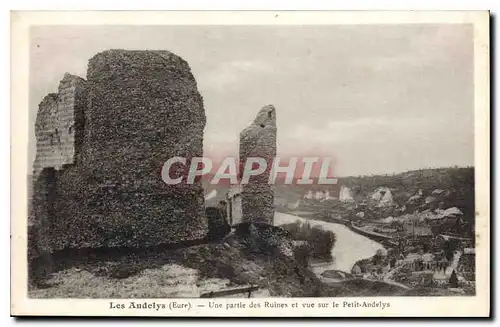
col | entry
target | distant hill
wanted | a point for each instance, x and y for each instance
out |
(412, 191)
(410, 181)
(459, 181)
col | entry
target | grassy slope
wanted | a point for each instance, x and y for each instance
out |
(194, 270)
(156, 274)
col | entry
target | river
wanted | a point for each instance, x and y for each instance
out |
(349, 247)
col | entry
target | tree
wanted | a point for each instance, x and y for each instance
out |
(449, 249)
(302, 254)
(453, 279)
(377, 259)
(425, 247)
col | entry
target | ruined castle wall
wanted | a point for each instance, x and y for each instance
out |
(115, 131)
(144, 108)
(59, 132)
(259, 140)
(59, 118)
(45, 127)
(233, 205)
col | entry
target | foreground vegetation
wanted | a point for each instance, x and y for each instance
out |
(318, 243)
(183, 272)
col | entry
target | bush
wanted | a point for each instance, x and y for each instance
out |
(218, 226)
(320, 241)
(302, 253)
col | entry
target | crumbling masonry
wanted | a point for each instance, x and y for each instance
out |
(259, 140)
(101, 145)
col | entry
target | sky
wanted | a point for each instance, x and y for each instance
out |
(376, 99)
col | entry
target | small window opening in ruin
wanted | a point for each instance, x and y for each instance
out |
(70, 130)
(270, 114)
(262, 125)
(51, 140)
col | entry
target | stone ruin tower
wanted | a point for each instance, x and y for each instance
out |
(259, 140)
(101, 145)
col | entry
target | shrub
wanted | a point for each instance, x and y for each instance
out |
(302, 253)
(218, 226)
(319, 240)
(322, 243)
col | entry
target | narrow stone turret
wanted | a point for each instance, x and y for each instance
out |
(259, 140)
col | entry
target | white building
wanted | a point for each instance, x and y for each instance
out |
(345, 194)
(309, 195)
(319, 195)
(383, 196)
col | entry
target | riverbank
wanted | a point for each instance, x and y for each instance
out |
(352, 246)
(385, 240)
(349, 246)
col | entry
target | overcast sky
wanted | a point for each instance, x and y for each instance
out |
(378, 99)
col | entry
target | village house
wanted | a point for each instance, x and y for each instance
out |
(420, 278)
(420, 262)
(356, 270)
(440, 278)
(415, 230)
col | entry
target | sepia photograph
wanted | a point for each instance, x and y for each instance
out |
(342, 159)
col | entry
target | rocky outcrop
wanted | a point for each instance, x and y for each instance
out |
(101, 147)
(259, 140)
(382, 197)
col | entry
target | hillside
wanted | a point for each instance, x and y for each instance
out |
(458, 180)
(403, 184)
(169, 273)
(410, 192)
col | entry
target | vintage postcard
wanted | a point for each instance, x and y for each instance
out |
(251, 164)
